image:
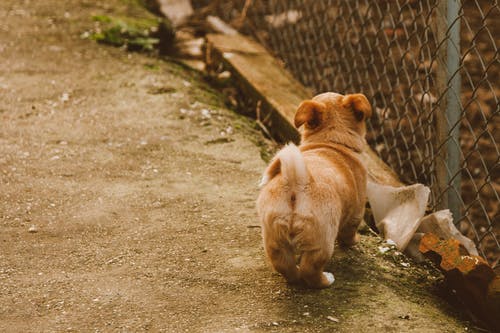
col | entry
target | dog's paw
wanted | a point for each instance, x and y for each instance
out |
(329, 276)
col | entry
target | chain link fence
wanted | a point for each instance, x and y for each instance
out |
(431, 70)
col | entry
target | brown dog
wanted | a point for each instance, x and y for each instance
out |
(315, 193)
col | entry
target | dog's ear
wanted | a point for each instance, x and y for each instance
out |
(359, 105)
(310, 113)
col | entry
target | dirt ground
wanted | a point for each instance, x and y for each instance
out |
(127, 196)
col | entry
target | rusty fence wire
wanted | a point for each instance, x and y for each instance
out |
(431, 69)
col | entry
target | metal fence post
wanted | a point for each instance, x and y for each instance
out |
(448, 120)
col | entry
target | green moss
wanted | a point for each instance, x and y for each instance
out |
(152, 67)
(134, 33)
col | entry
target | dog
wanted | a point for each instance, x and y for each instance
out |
(315, 193)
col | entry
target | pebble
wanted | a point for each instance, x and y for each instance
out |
(383, 249)
(33, 229)
(205, 114)
(391, 242)
(335, 320)
(64, 97)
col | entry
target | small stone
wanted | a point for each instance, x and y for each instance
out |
(55, 48)
(306, 314)
(224, 76)
(64, 97)
(391, 242)
(205, 114)
(383, 249)
(335, 320)
(33, 229)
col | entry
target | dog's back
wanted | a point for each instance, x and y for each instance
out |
(298, 184)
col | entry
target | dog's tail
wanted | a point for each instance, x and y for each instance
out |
(290, 163)
(286, 210)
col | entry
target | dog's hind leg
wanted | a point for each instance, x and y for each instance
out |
(283, 261)
(311, 269)
(348, 234)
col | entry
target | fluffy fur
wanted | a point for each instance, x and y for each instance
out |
(315, 193)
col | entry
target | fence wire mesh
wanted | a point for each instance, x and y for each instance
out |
(437, 119)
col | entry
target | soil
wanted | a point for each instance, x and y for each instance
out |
(127, 201)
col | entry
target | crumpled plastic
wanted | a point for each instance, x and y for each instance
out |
(399, 214)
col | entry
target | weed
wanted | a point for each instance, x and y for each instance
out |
(135, 34)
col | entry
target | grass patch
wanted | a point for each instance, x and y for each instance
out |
(152, 67)
(134, 34)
